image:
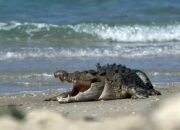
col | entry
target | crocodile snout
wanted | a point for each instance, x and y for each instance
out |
(61, 74)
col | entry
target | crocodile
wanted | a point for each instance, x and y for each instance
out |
(107, 82)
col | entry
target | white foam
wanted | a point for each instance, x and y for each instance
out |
(14, 24)
(123, 51)
(164, 73)
(23, 76)
(33, 83)
(119, 33)
(136, 33)
(9, 26)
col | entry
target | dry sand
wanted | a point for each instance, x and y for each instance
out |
(156, 112)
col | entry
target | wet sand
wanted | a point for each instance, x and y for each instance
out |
(88, 110)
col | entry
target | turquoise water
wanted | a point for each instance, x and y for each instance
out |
(39, 37)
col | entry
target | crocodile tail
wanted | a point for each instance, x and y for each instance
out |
(144, 78)
(98, 65)
(153, 92)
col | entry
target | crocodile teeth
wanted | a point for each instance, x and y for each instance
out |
(64, 77)
(74, 81)
(71, 80)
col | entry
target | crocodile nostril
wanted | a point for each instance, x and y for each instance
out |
(61, 73)
(56, 75)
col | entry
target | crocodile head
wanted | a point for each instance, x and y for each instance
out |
(81, 80)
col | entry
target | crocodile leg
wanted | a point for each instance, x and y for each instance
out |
(107, 93)
(54, 98)
(92, 94)
(153, 92)
(138, 93)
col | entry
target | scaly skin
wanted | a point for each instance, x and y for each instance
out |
(106, 83)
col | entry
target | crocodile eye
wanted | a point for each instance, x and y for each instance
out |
(93, 72)
(102, 73)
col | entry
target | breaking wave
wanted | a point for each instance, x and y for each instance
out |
(126, 41)
(136, 33)
(89, 31)
(116, 50)
(23, 76)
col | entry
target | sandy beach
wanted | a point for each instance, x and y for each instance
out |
(155, 112)
(93, 109)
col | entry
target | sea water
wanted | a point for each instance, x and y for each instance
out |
(38, 37)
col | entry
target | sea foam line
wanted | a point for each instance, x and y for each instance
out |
(33, 83)
(135, 33)
(102, 31)
(13, 25)
(22, 76)
(111, 51)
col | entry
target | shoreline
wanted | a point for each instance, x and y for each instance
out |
(92, 109)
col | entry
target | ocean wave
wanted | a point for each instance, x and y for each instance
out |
(27, 84)
(24, 76)
(161, 73)
(121, 51)
(136, 33)
(89, 31)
